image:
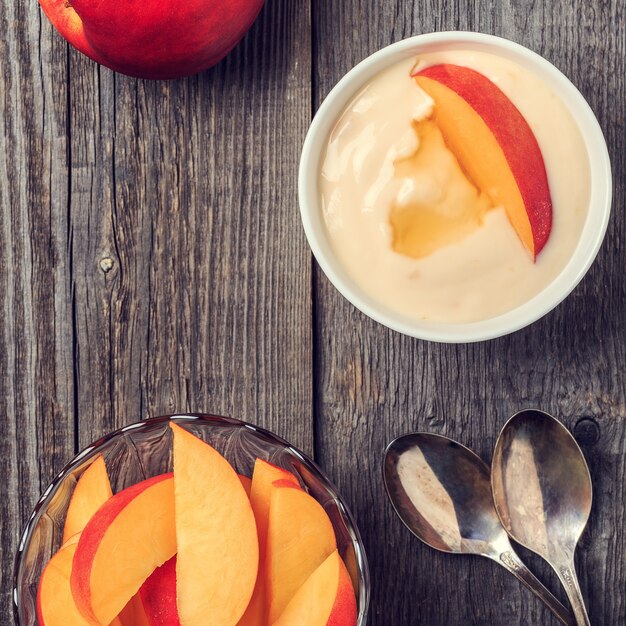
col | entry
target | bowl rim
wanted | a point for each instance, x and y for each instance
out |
(592, 233)
(364, 592)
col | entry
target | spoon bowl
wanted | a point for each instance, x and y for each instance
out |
(542, 493)
(441, 491)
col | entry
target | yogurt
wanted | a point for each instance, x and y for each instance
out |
(483, 270)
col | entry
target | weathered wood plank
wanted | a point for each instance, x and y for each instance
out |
(375, 384)
(36, 372)
(151, 250)
(192, 273)
(177, 233)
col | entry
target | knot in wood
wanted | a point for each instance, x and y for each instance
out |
(106, 264)
(587, 431)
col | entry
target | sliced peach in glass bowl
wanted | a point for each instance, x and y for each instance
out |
(145, 450)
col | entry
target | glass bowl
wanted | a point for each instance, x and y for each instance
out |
(144, 449)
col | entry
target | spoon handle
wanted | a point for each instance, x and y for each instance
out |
(512, 562)
(567, 575)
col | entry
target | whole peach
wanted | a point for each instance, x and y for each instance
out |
(153, 38)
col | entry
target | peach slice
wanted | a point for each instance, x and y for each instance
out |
(255, 611)
(299, 538)
(92, 490)
(124, 542)
(133, 614)
(55, 604)
(325, 599)
(73, 539)
(218, 549)
(264, 475)
(158, 596)
(494, 145)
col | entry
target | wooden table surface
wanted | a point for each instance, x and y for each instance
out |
(152, 261)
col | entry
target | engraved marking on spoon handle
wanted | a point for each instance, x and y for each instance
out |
(567, 575)
(511, 561)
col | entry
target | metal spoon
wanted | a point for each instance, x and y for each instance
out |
(441, 490)
(542, 492)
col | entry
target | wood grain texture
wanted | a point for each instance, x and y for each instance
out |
(192, 273)
(374, 384)
(36, 371)
(151, 259)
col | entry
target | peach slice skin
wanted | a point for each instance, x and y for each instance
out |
(300, 537)
(55, 604)
(325, 599)
(92, 490)
(264, 475)
(158, 596)
(218, 549)
(124, 542)
(494, 145)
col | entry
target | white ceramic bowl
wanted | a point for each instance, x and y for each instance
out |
(593, 230)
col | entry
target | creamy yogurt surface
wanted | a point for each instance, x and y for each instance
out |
(489, 271)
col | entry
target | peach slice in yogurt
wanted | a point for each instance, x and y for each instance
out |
(456, 189)
(494, 145)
